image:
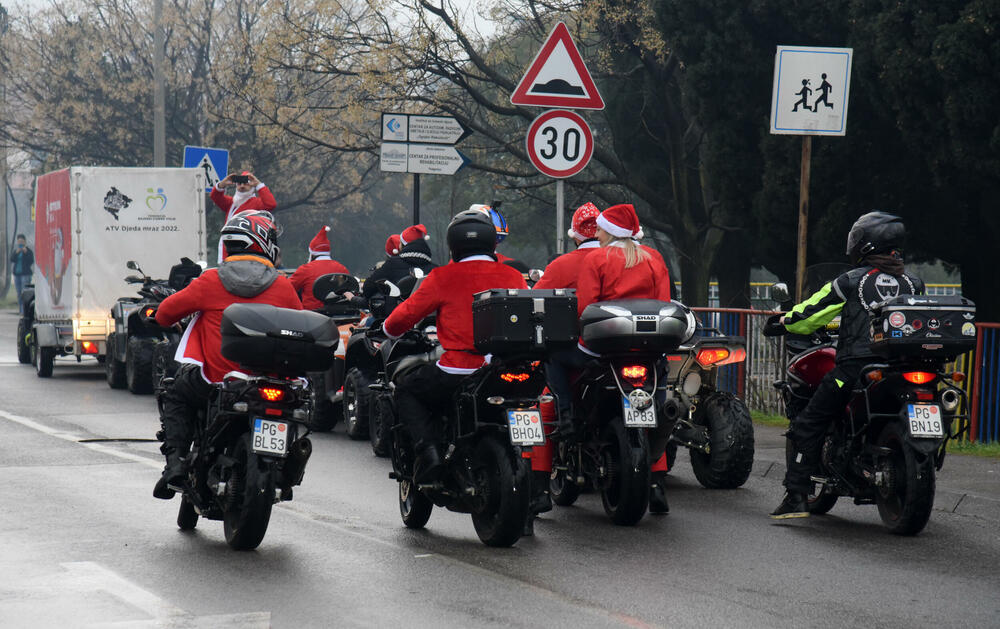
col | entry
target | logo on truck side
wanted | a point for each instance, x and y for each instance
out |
(157, 200)
(115, 202)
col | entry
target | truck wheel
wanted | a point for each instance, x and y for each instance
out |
(23, 340)
(114, 369)
(729, 459)
(139, 365)
(356, 404)
(42, 358)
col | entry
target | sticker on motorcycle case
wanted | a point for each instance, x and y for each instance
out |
(885, 325)
(897, 334)
(917, 324)
(897, 319)
(933, 324)
(907, 330)
(968, 329)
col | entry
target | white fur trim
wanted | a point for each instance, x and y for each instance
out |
(320, 255)
(639, 234)
(590, 244)
(611, 228)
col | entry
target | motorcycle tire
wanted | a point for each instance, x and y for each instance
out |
(164, 365)
(357, 404)
(729, 460)
(414, 507)
(43, 359)
(625, 485)
(249, 498)
(23, 340)
(187, 517)
(139, 365)
(905, 497)
(383, 416)
(816, 504)
(503, 481)
(114, 369)
(323, 417)
(562, 486)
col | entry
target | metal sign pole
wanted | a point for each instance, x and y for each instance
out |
(560, 232)
(800, 266)
(416, 198)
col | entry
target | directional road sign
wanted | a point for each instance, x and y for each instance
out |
(558, 76)
(810, 91)
(394, 127)
(422, 129)
(434, 159)
(559, 143)
(215, 162)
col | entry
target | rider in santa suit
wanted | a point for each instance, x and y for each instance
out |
(252, 195)
(320, 263)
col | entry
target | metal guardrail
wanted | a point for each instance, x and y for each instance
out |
(765, 363)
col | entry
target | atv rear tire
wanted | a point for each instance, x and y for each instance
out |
(729, 459)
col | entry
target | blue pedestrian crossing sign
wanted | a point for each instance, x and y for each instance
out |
(215, 162)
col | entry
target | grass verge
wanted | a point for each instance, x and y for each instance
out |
(769, 420)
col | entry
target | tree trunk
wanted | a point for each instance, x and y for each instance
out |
(695, 276)
(732, 270)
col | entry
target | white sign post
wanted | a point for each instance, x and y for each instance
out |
(809, 97)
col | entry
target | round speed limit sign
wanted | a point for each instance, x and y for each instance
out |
(559, 143)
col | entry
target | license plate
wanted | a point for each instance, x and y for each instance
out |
(925, 420)
(270, 437)
(525, 427)
(638, 419)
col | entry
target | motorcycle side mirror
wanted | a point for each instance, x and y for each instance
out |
(132, 265)
(779, 292)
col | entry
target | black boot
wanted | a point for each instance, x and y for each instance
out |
(541, 501)
(658, 494)
(173, 473)
(565, 427)
(427, 465)
(793, 505)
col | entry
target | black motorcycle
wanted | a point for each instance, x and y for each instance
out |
(620, 404)
(139, 351)
(891, 439)
(251, 448)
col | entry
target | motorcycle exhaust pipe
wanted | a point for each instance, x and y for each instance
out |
(670, 409)
(295, 464)
(950, 399)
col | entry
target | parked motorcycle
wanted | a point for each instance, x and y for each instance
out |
(619, 402)
(887, 446)
(493, 417)
(137, 343)
(251, 448)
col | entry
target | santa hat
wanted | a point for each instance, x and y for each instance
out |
(392, 245)
(584, 222)
(620, 221)
(320, 244)
(413, 233)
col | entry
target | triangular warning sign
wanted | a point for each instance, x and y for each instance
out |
(211, 176)
(558, 77)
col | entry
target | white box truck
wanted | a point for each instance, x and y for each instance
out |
(88, 223)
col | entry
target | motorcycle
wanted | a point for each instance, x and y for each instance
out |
(493, 418)
(887, 446)
(251, 447)
(138, 350)
(619, 400)
(332, 386)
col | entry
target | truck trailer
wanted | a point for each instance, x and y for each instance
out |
(88, 223)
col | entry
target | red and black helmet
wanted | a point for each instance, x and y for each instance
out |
(251, 233)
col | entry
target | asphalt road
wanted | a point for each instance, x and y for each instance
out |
(83, 543)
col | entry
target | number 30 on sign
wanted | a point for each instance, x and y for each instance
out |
(559, 143)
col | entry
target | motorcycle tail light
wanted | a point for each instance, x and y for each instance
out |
(634, 374)
(925, 396)
(918, 377)
(511, 376)
(271, 394)
(709, 356)
(89, 347)
(875, 375)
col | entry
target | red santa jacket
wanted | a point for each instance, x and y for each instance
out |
(603, 277)
(448, 290)
(263, 201)
(564, 270)
(207, 296)
(306, 275)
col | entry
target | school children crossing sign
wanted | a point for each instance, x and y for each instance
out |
(811, 90)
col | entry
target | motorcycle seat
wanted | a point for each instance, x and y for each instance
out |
(416, 361)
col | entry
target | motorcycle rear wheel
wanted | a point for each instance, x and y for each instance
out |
(357, 402)
(562, 486)
(905, 497)
(625, 486)
(251, 495)
(506, 494)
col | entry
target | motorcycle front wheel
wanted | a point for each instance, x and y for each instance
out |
(905, 492)
(249, 497)
(505, 493)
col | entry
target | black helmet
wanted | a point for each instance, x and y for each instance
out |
(471, 233)
(875, 232)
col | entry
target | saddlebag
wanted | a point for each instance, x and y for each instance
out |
(265, 338)
(520, 321)
(636, 325)
(918, 325)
